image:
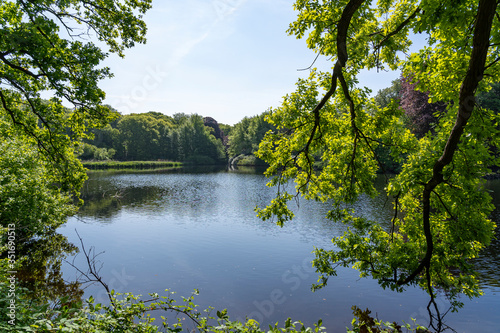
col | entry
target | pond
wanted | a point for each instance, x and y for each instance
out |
(184, 230)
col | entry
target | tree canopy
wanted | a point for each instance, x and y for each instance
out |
(247, 134)
(46, 52)
(441, 208)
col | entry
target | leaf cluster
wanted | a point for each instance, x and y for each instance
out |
(128, 313)
(440, 205)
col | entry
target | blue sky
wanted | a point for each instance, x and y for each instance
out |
(226, 59)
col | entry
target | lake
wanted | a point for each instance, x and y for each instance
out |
(183, 230)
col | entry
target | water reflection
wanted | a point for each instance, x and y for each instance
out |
(199, 230)
(488, 263)
(190, 193)
(41, 274)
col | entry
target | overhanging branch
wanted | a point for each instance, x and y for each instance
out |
(480, 46)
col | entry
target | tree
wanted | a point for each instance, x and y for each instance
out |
(490, 99)
(246, 135)
(139, 136)
(226, 129)
(28, 199)
(198, 144)
(44, 49)
(421, 114)
(239, 140)
(440, 206)
(387, 95)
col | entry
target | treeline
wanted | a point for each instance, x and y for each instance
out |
(193, 139)
(154, 136)
(245, 138)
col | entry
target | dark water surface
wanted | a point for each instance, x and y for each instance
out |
(186, 230)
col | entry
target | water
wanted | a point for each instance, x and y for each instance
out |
(182, 231)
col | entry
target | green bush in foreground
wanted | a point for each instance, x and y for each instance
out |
(127, 313)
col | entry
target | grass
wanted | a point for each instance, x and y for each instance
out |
(106, 165)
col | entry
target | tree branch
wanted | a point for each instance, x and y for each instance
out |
(398, 28)
(92, 274)
(342, 28)
(19, 68)
(474, 75)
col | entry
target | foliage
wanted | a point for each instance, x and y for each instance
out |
(91, 152)
(364, 323)
(139, 136)
(154, 136)
(421, 114)
(129, 313)
(29, 198)
(440, 206)
(388, 95)
(490, 99)
(201, 142)
(44, 50)
(246, 135)
(99, 165)
(226, 129)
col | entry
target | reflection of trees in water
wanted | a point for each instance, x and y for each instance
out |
(40, 272)
(104, 198)
(488, 262)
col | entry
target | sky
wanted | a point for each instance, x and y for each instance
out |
(225, 59)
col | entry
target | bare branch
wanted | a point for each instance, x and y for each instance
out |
(92, 274)
(314, 61)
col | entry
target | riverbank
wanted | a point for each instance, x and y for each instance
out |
(247, 160)
(107, 165)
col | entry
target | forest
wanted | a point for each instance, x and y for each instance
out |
(191, 139)
(154, 136)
